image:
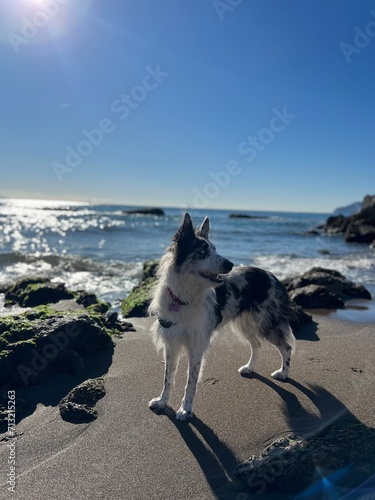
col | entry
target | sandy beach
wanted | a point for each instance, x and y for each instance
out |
(131, 452)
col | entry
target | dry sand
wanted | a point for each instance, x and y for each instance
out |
(129, 452)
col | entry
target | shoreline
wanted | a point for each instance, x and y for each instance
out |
(356, 311)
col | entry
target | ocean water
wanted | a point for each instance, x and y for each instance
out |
(100, 249)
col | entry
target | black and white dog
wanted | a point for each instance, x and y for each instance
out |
(197, 291)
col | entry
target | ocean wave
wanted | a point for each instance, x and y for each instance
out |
(357, 268)
(111, 280)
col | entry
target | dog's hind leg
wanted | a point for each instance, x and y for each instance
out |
(171, 356)
(195, 362)
(249, 367)
(284, 340)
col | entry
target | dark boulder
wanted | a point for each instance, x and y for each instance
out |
(324, 288)
(360, 231)
(78, 406)
(316, 297)
(298, 317)
(336, 224)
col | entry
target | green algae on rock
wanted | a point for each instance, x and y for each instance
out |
(136, 304)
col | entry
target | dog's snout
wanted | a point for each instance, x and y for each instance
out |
(228, 265)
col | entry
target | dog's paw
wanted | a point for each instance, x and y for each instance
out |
(156, 404)
(279, 375)
(184, 413)
(245, 370)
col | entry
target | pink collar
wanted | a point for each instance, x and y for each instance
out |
(176, 302)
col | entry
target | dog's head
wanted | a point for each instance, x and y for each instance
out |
(196, 255)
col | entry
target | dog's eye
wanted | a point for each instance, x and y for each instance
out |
(202, 251)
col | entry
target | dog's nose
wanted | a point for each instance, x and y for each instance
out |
(228, 265)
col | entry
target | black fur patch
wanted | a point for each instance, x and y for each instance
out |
(186, 244)
(236, 291)
(165, 323)
(219, 316)
(222, 295)
(256, 290)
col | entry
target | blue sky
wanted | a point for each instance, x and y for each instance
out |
(178, 91)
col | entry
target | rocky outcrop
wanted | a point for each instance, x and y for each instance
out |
(34, 349)
(321, 288)
(359, 228)
(78, 406)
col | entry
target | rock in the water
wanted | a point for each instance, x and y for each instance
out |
(360, 231)
(78, 405)
(324, 288)
(336, 224)
(246, 216)
(146, 211)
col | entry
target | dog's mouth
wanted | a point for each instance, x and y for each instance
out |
(211, 276)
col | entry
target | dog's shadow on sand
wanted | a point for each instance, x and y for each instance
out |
(218, 462)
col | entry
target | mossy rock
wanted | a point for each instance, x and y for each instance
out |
(90, 302)
(34, 349)
(30, 292)
(15, 328)
(149, 269)
(136, 304)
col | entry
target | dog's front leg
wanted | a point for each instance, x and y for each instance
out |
(170, 366)
(185, 411)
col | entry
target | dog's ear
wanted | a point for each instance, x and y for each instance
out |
(186, 231)
(204, 230)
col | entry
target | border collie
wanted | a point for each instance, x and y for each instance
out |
(198, 291)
